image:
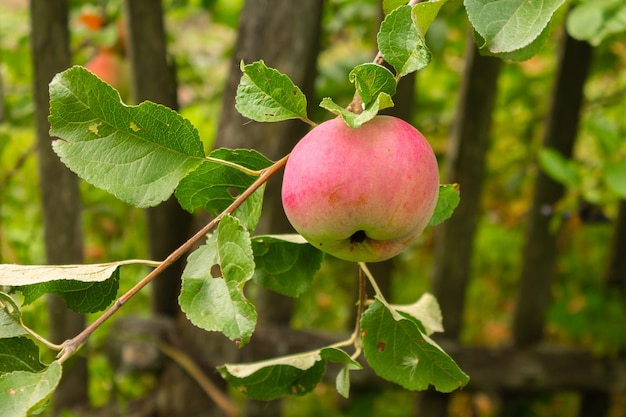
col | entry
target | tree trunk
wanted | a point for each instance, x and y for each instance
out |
(540, 251)
(286, 37)
(616, 271)
(59, 187)
(465, 162)
(153, 79)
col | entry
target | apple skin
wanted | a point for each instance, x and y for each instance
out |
(361, 194)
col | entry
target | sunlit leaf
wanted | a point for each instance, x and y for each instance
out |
(509, 25)
(137, 153)
(213, 280)
(23, 393)
(398, 351)
(426, 310)
(266, 95)
(401, 42)
(287, 375)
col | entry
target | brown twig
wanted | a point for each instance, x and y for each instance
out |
(72, 345)
(193, 370)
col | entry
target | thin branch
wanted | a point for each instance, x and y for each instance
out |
(72, 345)
(193, 370)
(372, 281)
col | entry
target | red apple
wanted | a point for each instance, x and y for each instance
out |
(361, 194)
(111, 68)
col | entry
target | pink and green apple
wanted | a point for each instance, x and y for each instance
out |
(361, 194)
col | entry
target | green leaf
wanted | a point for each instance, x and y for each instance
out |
(426, 311)
(559, 168)
(521, 54)
(19, 354)
(509, 25)
(137, 153)
(287, 375)
(401, 42)
(372, 79)
(10, 317)
(595, 20)
(399, 352)
(354, 120)
(424, 14)
(266, 95)
(80, 297)
(448, 200)
(23, 393)
(214, 186)
(615, 177)
(285, 264)
(342, 382)
(213, 281)
(14, 275)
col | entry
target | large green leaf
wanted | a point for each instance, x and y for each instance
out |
(274, 378)
(137, 153)
(287, 375)
(23, 393)
(19, 354)
(285, 263)
(81, 297)
(401, 42)
(397, 349)
(213, 281)
(266, 95)
(509, 25)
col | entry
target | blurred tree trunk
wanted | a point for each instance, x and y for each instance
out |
(616, 271)
(153, 79)
(465, 160)
(286, 36)
(540, 251)
(59, 187)
(539, 258)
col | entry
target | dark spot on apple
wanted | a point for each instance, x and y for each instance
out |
(358, 237)
(216, 271)
(380, 346)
